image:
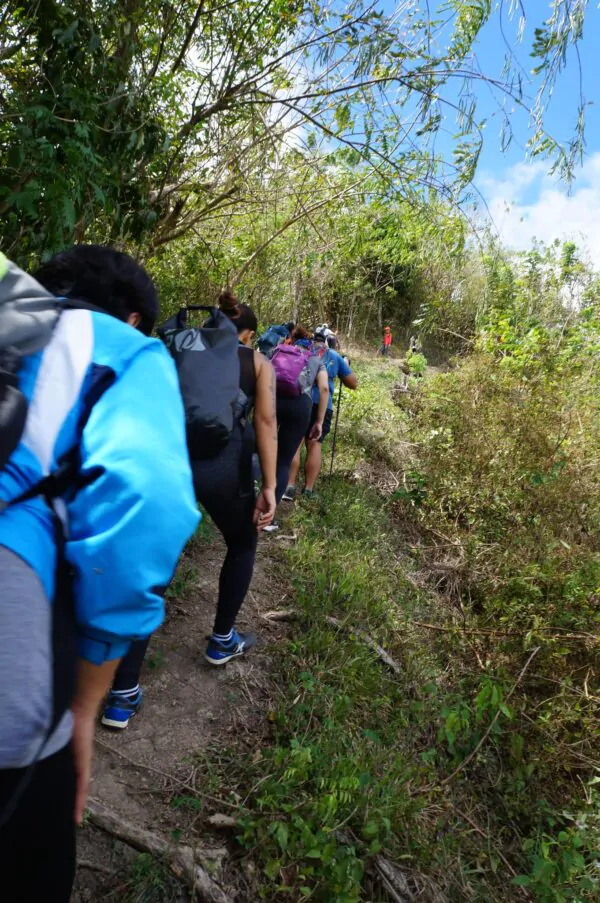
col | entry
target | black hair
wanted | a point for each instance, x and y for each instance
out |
(241, 315)
(106, 278)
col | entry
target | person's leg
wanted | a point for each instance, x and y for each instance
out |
(312, 465)
(127, 678)
(314, 454)
(295, 467)
(37, 844)
(236, 574)
(125, 698)
(231, 507)
(293, 417)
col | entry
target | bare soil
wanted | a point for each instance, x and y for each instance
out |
(154, 772)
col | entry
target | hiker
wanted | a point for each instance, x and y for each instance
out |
(336, 366)
(387, 342)
(225, 488)
(324, 333)
(84, 559)
(298, 371)
(230, 499)
(274, 336)
(415, 346)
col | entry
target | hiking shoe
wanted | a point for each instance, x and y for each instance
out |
(309, 494)
(220, 653)
(272, 528)
(119, 709)
(289, 495)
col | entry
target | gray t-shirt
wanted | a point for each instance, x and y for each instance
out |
(26, 667)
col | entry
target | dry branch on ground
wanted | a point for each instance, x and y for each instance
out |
(184, 861)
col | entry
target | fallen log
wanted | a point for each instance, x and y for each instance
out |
(292, 614)
(393, 880)
(281, 614)
(370, 642)
(183, 860)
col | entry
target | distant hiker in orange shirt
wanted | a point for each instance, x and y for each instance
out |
(387, 342)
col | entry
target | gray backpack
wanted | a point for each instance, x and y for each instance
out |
(28, 315)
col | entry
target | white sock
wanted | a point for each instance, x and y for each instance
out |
(223, 637)
(127, 692)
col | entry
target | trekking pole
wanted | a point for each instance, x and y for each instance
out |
(337, 417)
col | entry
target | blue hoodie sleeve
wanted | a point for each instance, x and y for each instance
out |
(127, 528)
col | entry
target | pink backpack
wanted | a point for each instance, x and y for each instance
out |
(290, 363)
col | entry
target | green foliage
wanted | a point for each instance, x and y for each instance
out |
(564, 861)
(143, 124)
(338, 773)
(417, 363)
(369, 423)
(150, 881)
(359, 760)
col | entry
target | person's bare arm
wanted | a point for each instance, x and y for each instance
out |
(350, 381)
(93, 683)
(323, 385)
(265, 425)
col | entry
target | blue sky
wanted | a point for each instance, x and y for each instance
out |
(523, 200)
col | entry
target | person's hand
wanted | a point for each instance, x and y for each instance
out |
(316, 432)
(84, 725)
(264, 511)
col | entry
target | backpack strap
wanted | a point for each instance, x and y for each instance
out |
(49, 487)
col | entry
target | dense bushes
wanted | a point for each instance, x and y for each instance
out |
(507, 489)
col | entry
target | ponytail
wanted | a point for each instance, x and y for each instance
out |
(229, 303)
(241, 315)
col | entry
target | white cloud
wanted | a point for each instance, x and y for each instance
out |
(554, 213)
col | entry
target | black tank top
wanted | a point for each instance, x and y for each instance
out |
(247, 374)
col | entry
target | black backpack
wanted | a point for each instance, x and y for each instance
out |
(206, 358)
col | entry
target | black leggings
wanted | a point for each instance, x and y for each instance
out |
(224, 487)
(37, 844)
(128, 672)
(293, 417)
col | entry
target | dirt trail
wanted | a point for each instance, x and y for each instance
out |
(188, 707)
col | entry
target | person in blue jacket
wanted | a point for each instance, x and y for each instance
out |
(103, 391)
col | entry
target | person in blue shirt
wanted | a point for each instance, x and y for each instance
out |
(337, 367)
(106, 395)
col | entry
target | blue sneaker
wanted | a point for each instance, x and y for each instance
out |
(221, 653)
(119, 709)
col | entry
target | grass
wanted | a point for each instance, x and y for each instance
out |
(149, 881)
(444, 768)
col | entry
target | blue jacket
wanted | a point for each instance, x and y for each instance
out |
(106, 388)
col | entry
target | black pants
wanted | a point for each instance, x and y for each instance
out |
(224, 487)
(37, 845)
(128, 672)
(293, 417)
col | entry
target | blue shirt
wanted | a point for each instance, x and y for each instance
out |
(336, 367)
